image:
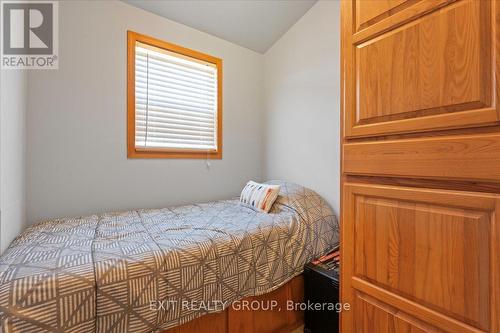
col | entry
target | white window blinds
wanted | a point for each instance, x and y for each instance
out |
(175, 100)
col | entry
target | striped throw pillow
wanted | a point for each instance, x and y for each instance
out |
(259, 196)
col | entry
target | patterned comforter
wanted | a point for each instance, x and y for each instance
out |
(150, 270)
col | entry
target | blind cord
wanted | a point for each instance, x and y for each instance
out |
(207, 161)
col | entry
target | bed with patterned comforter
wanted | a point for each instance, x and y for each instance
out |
(134, 271)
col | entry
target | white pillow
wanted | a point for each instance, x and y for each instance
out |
(259, 196)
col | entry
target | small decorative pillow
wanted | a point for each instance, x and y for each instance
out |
(259, 196)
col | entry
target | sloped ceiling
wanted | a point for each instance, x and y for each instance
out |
(254, 24)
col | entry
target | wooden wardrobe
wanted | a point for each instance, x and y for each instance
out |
(420, 166)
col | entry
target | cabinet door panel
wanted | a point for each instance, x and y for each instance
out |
(428, 252)
(373, 316)
(369, 12)
(433, 72)
(421, 251)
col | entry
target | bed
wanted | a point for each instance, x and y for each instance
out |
(152, 270)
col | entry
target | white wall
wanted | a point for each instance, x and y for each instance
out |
(13, 97)
(77, 160)
(302, 98)
(76, 122)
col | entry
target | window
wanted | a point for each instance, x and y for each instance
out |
(174, 101)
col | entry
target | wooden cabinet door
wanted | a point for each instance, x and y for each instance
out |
(420, 166)
(417, 66)
(428, 257)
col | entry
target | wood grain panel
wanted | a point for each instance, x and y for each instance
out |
(266, 321)
(407, 12)
(433, 72)
(277, 320)
(296, 295)
(421, 251)
(270, 321)
(420, 165)
(473, 157)
(369, 12)
(369, 317)
(210, 323)
(407, 70)
(373, 316)
(430, 252)
(243, 319)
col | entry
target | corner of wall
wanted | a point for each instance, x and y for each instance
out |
(13, 99)
(301, 122)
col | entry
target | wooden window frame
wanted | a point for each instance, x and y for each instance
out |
(136, 152)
